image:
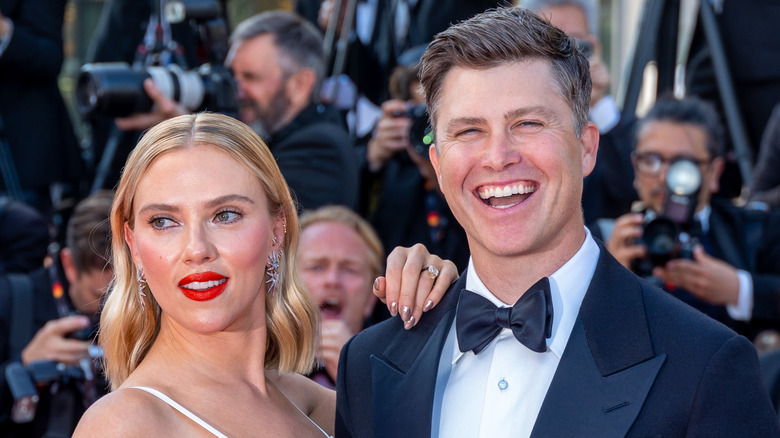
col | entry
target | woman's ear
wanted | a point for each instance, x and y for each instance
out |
(130, 241)
(279, 232)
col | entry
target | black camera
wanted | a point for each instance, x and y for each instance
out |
(420, 132)
(116, 89)
(673, 233)
(25, 382)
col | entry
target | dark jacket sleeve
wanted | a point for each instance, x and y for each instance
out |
(725, 402)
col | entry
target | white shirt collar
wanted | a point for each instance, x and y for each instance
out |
(605, 114)
(573, 277)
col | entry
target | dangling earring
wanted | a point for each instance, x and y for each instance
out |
(139, 275)
(272, 269)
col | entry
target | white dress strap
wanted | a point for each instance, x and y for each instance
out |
(304, 414)
(183, 410)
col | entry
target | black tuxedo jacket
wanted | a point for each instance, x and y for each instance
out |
(638, 363)
(608, 191)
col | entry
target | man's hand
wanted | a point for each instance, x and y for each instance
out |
(408, 288)
(706, 277)
(50, 343)
(391, 135)
(3, 25)
(164, 109)
(332, 338)
(623, 242)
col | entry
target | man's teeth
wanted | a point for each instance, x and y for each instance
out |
(508, 190)
(203, 285)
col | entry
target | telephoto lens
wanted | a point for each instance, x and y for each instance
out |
(116, 89)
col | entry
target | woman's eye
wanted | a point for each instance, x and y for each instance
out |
(160, 222)
(227, 216)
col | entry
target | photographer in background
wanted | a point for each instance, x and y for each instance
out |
(400, 194)
(734, 270)
(277, 60)
(47, 321)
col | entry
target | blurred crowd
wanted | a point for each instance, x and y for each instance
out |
(333, 89)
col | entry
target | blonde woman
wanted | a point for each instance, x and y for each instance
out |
(207, 323)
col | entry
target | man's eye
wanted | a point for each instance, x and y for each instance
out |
(466, 132)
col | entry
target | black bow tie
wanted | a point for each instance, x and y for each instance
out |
(478, 321)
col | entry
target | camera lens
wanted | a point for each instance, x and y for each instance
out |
(113, 89)
(661, 239)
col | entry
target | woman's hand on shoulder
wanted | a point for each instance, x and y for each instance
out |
(414, 282)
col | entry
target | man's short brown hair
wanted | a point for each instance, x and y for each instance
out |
(502, 36)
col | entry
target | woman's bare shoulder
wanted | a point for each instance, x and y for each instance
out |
(122, 413)
(318, 402)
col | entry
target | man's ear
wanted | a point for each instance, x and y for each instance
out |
(433, 155)
(718, 164)
(300, 86)
(589, 141)
(69, 265)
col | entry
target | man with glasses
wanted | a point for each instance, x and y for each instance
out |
(732, 271)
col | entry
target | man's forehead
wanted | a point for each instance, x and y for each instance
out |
(671, 135)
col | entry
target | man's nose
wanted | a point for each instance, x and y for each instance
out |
(500, 152)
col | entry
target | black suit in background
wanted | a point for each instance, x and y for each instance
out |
(638, 363)
(370, 65)
(609, 191)
(37, 126)
(754, 64)
(393, 200)
(766, 178)
(316, 157)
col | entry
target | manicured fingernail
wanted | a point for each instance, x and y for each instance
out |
(409, 324)
(376, 283)
(428, 305)
(394, 308)
(405, 313)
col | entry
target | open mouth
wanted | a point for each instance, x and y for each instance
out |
(506, 196)
(331, 308)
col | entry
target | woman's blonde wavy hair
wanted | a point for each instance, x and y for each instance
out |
(127, 328)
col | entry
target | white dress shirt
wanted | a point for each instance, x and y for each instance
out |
(499, 392)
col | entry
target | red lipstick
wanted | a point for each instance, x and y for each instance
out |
(203, 286)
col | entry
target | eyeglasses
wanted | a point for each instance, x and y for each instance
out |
(585, 46)
(650, 163)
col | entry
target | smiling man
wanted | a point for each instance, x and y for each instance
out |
(545, 334)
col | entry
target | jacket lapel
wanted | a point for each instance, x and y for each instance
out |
(407, 372)
(608, 362)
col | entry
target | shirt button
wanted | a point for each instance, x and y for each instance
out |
(503, 384)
